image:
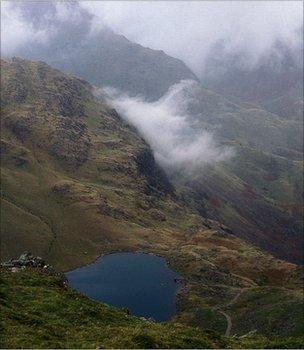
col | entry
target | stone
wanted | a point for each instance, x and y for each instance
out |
(157, 215)
(25, 259)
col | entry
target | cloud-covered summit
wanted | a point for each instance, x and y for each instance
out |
(186, 30)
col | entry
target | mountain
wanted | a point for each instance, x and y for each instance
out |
(244, 111)
(103, 58)
(64, 145)
(77, 182)
(274, 83)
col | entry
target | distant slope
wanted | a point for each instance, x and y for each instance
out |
(103, 58)
(258, 193)
(108, 59)
(263, 117)
(274, 84)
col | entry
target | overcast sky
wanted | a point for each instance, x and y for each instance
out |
(184, 29)
(188, 29)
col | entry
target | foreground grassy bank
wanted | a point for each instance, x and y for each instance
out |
(39, 311)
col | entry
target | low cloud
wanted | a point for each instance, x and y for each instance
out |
(189, 30)
(166, 127)
(15, 31)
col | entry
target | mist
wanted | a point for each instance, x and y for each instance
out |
(15, 30)
(167, 128)
(186, 30)
(191, 30)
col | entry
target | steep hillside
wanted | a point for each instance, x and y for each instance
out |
(63, 152)
(62, 318)
(103, 58)
(77, 182)
(258, 193)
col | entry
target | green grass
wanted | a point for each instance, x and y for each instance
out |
(38, 311)
(261, 308)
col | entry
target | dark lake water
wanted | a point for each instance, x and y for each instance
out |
(141, 282)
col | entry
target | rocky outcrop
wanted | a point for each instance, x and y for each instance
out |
(4, 147)
(70, 141)
(26, 259)
(157, 180)
(157, 215)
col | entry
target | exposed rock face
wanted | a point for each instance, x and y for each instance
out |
(4, 147)
(63, 188)
(68, 102)
(156, 177)
(56, 121)
(71, 142)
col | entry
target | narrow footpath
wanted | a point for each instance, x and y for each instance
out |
(226, 306)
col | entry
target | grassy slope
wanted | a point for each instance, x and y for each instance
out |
(41, 313)
(45, 157)
(72, 189)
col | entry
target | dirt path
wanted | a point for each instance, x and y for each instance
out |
(229, 322)
(226, 306)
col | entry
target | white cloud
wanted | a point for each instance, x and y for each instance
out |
(15, 31)
(166, 127)
(188, 29)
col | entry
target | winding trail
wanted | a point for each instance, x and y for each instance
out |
(229, 323)
(226, 306)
